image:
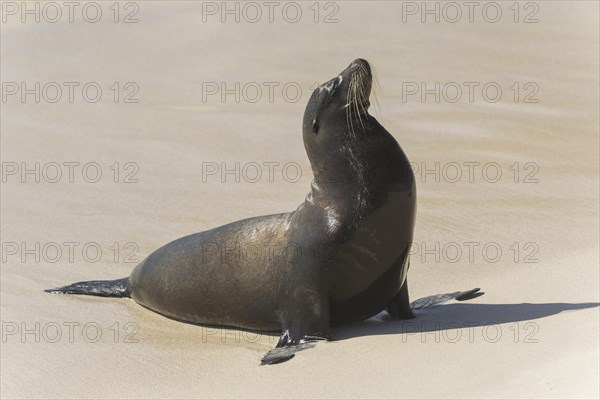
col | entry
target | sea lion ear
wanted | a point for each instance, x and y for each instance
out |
(315, 127)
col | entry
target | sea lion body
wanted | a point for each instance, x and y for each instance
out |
(341, 256)
(249, 273)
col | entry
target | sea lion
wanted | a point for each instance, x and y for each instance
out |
(347, 244)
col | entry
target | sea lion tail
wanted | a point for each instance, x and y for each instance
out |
(116, 288)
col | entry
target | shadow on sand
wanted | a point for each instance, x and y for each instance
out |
(457, 315)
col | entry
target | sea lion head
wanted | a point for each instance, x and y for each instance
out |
(341, 103)
(336, 118)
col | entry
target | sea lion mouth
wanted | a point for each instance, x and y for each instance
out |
(359, 90)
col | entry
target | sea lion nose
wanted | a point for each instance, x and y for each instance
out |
(361, 62)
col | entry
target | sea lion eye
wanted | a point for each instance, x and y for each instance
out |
(334, 85)
(331, 86)
(315, 127)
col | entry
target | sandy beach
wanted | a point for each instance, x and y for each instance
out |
(139, 123)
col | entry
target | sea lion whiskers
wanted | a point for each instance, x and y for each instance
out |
(348, 108)
(376, 91)
(358, 95)
(353, 104)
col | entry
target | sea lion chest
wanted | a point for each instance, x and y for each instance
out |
(375, 245)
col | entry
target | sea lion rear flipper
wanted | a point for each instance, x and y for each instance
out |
(113, 288)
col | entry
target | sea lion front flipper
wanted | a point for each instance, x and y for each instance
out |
(289, 344)
(284, 353)
(399, 307)
(439, 299)
(469, 294)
